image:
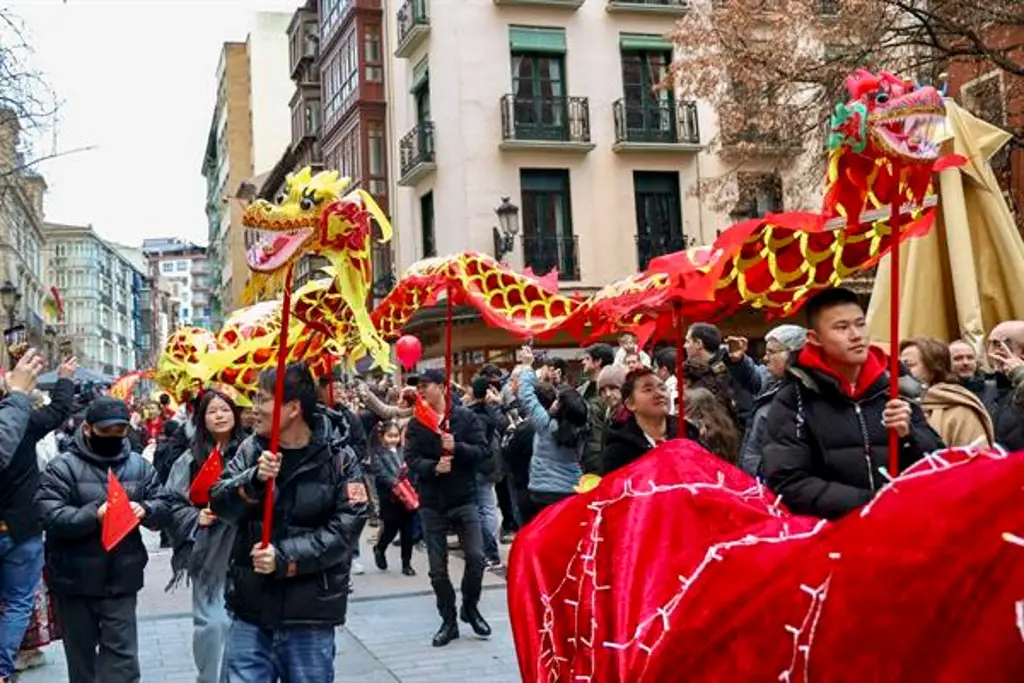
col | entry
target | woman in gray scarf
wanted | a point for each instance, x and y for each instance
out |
(202, 543)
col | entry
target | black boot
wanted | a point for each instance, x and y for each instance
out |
(448, 632)
(407, 570)
(472, 616)
(380, 558)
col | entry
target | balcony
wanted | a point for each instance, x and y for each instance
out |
(671, 7)
(656, 127)
(413, 27)
(546, 123)
(416, 150)
(650, 246)
(554, 4)
(543, 253)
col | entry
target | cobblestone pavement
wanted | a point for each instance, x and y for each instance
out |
(391, 619)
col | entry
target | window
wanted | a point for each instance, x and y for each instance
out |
(167, 267)
(759, 194)
(548, 240)
(645, 63)
(181, 266)
(341, 77)
(427, 221)
(330, 12)
(538, 88)
(375, 137)
(659, 226)
(372, 55)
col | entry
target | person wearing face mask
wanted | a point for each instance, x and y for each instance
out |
(96, 590)
(202, 543)
(646, 424)
(826, 441)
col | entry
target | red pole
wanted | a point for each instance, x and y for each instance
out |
(895, 217)
(275, 428)
(448, 357)
(680, 374)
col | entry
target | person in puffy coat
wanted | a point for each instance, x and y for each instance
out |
(286, 599)
(96, 590)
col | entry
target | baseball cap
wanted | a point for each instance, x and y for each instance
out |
(107, 411)
(428, 376)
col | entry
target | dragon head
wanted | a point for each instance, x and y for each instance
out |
(282, 231)
(889, 117)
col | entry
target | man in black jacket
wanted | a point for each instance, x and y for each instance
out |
(827, 432)
(19, 519)
(704, 342)
(446, 466)
(286, 599)
(96, 590)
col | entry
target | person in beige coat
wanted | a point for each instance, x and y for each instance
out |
(953, 411)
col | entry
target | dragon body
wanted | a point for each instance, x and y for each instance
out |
(883, 151)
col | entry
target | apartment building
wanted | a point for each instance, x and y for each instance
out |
(21, 234)
(102, 291)
(354, 95)
(184, 268)
(249, 130)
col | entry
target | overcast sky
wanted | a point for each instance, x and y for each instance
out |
(137, 80)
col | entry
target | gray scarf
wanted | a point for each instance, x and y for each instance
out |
(204, 560)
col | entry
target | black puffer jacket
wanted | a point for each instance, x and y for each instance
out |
(72, 489)
(824, 447)
(19, 479)
(423, 452)
(625, 442)
(320, 504)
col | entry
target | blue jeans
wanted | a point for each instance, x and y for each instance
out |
(21, 568)
(296, 654)
(210, 623)
(487, 507)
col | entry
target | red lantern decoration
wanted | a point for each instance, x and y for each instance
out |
(409, 351)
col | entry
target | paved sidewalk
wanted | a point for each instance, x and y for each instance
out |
(391, 619)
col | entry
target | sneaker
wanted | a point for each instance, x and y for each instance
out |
(507, 537)
(492, 563)
(357, 567)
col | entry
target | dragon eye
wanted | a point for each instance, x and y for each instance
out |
(882, 98)
(279, 198)
(306, 204)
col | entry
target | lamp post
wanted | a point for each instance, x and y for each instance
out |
(506, 230)
(10, 297)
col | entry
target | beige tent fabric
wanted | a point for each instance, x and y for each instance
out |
(967, 274)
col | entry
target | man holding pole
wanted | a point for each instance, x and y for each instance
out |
(287, 597)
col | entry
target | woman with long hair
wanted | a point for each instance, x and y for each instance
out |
(559, 436)
(716, 429)
(388, 466)
(202, 543)
(953, 411)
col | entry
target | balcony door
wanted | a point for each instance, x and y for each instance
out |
(659, 223)
(538, 84)
(548, 239)
(650, 114)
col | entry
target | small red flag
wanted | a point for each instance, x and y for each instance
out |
(427, 415)
(206, 477)
(120, 519)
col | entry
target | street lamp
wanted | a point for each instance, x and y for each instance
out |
(10, 297)
(507, 229)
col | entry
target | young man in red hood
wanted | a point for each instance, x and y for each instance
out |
(827, 445)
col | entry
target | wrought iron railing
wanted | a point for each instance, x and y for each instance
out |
(554, 119)
(666, 122)
(413, 13)
(543, 253)
(417, 146)
(649, 246)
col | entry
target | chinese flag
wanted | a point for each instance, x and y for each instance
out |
(207, 476)
(120, 520)
(427, 415)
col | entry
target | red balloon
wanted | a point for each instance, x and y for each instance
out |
(409, 351)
